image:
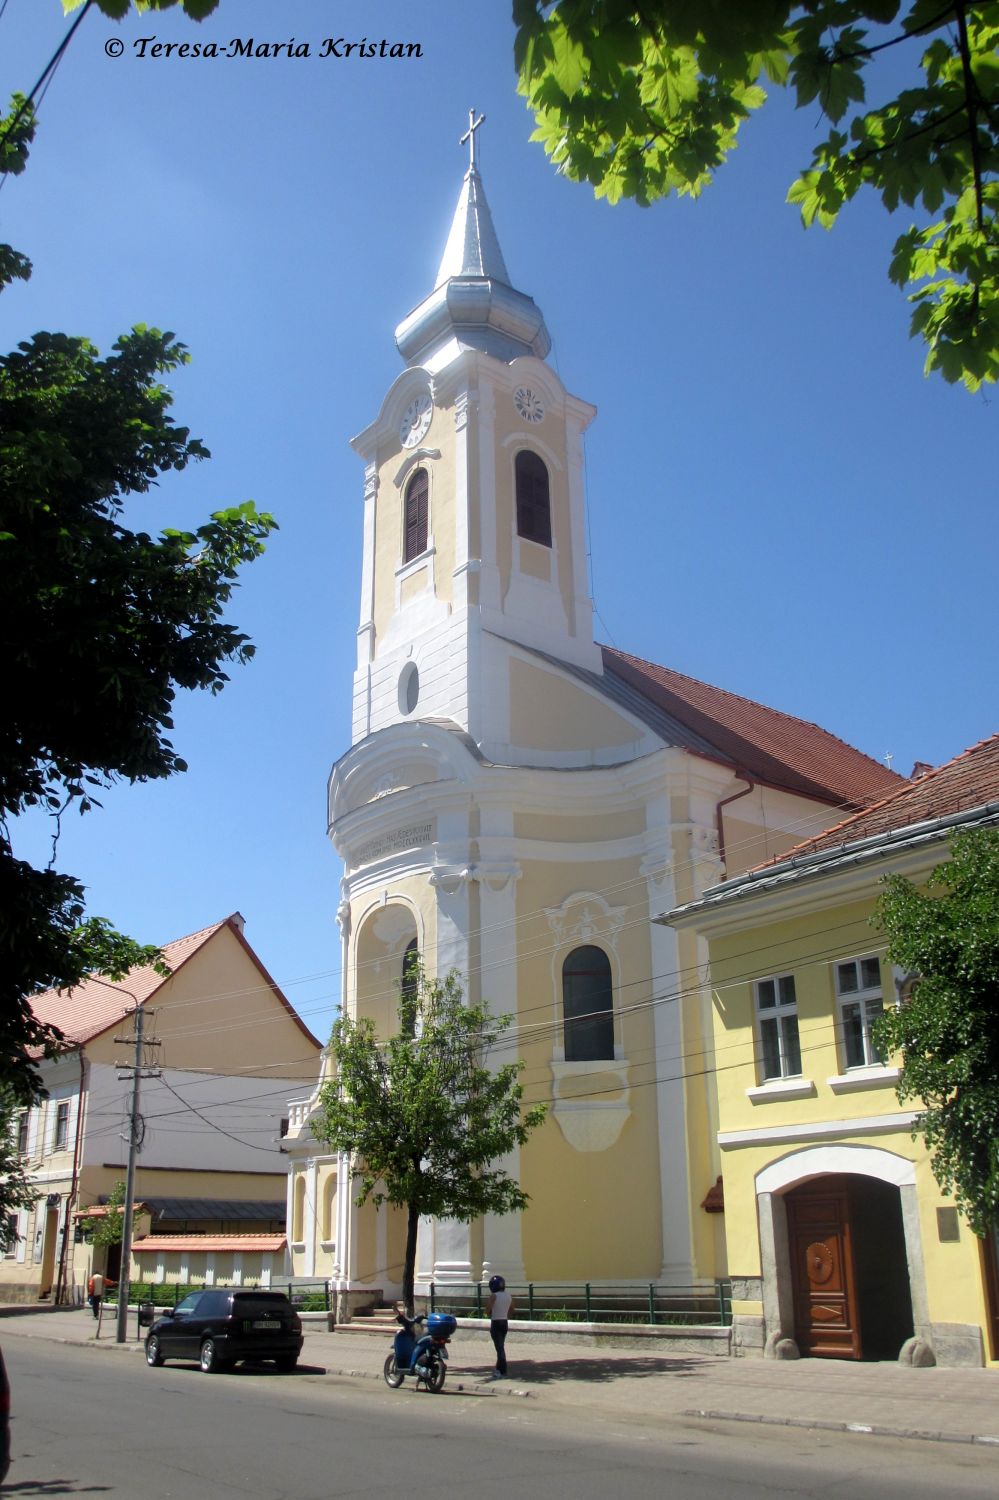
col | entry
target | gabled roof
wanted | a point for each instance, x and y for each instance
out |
(970, 780)
(761, 742)
(96, 1005)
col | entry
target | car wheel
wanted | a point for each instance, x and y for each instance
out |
(211, 1362)
(154, 1354)
(286, 1362)
(436, 1376)
(393, 1375)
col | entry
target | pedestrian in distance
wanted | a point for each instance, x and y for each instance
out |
(499, 1307)
(96, 1287)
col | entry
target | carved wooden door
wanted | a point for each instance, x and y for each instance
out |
(826, 1323)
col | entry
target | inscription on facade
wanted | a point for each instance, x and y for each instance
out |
(391, 843)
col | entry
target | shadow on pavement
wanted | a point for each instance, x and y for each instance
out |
(590, 1371)
(54, 1487)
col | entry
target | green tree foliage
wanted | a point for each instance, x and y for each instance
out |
(99, 624)
(16, 1189)
(642, 100)
(117, 9)
(109, 1227)
(424, 1118)
(948, 1032)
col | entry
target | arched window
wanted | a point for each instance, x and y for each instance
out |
(588, 1006)
(417, 510)
(298, 1209)
(409, 989)
(534, 510)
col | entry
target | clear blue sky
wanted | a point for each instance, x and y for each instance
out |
(780, 503)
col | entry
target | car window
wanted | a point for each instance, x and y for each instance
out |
(187, 1304)
(260, 1305)
(214, 1305)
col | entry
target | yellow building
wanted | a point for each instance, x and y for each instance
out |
(839, 1241)
(519, 802)
(210, 1169)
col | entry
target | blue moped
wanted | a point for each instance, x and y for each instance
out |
(423, 1357)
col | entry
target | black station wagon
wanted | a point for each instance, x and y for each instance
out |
(220, 1326)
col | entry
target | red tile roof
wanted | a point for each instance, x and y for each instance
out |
(98, 1004)
(968, 781)
(156, 1242)
(766, 744)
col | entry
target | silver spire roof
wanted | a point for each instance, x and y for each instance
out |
(472, 248)
(473, 304)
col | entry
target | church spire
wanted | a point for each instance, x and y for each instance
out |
(473, 304)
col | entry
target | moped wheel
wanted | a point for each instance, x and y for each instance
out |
(393, 1375)
(436, 1376)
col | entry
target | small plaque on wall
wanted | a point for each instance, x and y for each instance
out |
(948, 1226)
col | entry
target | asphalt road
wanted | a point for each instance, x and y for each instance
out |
(98, 1422)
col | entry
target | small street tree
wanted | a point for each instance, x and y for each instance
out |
(107, 1229)
(423, 1117)
(947, 1033)
(17, 1191)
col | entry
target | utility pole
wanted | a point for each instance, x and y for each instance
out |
(135, 1134)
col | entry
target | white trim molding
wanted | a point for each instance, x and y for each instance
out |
(820, 1161)
(766, 1135)
(782, 1088)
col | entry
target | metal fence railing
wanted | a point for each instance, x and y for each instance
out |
(306, 1296)
(650, 1303)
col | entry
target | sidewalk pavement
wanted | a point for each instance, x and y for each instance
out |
(958, 1406)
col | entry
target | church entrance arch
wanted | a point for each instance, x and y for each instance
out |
(842, 1256)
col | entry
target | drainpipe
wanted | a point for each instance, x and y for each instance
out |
(61, 1278)
(719, 819)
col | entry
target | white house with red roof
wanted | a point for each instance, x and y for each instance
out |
(838, 1238)
(211, 1173)
(518, 803)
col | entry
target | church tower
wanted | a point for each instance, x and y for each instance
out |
(474, 524)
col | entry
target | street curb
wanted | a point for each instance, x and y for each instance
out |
(479, 1387)
(863, 1429)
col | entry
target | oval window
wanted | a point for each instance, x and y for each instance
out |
(409, 688)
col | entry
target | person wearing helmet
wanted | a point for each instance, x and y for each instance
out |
(499, 1307)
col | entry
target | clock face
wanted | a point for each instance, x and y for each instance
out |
(528, 404)
(415, 420)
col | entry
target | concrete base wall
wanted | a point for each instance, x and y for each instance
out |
(955, 1345)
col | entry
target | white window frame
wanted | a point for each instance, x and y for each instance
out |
(780, 1014)
(869, 999)
(60, 1132)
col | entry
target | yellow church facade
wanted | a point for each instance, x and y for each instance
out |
(519, 803)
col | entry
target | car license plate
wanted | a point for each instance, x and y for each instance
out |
(267, 1323)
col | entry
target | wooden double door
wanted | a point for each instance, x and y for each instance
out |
(849, 1268)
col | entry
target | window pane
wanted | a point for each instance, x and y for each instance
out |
(792, 1049)
(853, 1036)
(870, 973)
(873, 1009)
(765, 995)
(770, 1041)
(786, 984)
(846, 978)
(587, 1001)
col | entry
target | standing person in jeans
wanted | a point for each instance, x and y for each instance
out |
(499, 1307)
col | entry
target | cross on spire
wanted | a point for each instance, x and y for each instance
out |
(469, 136)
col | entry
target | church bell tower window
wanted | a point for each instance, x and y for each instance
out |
(415, 527)
(534, 512)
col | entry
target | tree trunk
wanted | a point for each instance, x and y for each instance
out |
(409, 1268)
